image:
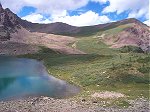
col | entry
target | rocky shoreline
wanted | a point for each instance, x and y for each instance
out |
(46, 104)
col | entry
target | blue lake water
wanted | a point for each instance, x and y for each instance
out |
(20, 77)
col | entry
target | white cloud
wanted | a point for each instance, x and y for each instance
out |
(137, 8)
(88, 18)
(44, 6)
(85, 19)
(15, 6)
(36, 18)
(58, 10)
(147, 22)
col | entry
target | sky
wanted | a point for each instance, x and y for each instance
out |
(79, 12)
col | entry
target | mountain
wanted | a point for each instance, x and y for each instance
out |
(17, 34)
(59, 28)
(133, 32)
(65, 29)
(8, 23)
(16, 39)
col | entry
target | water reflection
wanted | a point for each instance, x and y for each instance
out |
(25, 77)
(5, 82)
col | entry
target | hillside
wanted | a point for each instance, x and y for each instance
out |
(128, 32)
(15, 39)
(65, 29)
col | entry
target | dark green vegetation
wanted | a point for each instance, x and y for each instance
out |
(133, 49)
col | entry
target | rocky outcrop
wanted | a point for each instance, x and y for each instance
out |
(1, 8)
(8, 23)
(136, 35)
(4, 34)
(8, 18)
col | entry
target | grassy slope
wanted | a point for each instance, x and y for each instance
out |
(119, 72)
(101, 69)
(94, 45)
(114, 30)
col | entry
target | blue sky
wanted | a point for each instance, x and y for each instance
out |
(79, 12)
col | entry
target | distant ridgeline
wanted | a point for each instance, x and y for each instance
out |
(117, 34)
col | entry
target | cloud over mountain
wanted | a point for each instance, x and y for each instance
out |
(88, 18)
(64, 11)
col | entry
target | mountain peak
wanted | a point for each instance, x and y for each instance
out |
(8, 10)
(1, 8)
(131, 20)
(8, 18)
(0, 5)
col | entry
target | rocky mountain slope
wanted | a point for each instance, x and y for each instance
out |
(14, 31)
(130, 34)
(16, 39)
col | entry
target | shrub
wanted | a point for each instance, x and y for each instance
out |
(144, 69)
(133, 49)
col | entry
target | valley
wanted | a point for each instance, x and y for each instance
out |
(109, 62)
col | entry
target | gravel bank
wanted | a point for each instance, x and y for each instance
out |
(45, 104)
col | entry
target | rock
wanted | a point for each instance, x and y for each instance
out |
(94, 101)
(83, 100)
(1, 8)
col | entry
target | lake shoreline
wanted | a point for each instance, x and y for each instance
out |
(80, 103)
(22, 77)
(47, 104)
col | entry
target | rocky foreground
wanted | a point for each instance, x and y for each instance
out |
(46, 104)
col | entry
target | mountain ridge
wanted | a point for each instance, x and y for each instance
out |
(60, 28)
(63, 28)
(127, 32)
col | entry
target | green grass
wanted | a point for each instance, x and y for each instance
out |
(113, 31)
(94, 46)
(99, 72)
(123, 104)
